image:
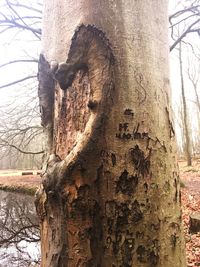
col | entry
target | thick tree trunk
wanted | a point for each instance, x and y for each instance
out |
(110, 194)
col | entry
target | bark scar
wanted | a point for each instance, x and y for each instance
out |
(64, 73)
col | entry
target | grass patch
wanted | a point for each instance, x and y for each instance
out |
(19, 189)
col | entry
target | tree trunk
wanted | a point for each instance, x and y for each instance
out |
(110, 194)
(185, 115)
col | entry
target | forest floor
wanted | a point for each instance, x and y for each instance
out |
(190, 177)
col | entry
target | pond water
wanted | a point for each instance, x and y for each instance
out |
(19, 231)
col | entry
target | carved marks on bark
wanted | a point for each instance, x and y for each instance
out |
(125, 240)
(142, 143)
(129, 112)
(129, 209)
(138, 132)
(140, 162)
(150, 255)
(125, 134)
(126, 184)
(84, 220)
(142, 84)
(128, 232)
(108, 157)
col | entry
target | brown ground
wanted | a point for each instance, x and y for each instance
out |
(13, 180)
(191, 204)
(190, 199)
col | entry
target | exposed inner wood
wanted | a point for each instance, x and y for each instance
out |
(73, 114)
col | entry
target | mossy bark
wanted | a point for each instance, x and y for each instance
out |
(110, 195)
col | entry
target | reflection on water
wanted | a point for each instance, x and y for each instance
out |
(19, 231)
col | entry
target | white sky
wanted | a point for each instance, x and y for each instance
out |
(16, 46)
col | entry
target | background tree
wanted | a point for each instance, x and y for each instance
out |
(20, 131)
(185, 112)
(193, 75)
(184, 20)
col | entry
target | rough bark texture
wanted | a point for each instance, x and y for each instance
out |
(110, 195)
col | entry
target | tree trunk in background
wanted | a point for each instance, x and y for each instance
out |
(110, 194)
(185, 115)
(194, 79)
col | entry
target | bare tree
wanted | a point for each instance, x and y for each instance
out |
(179, 127)
(185, 111)
(21, 136)
(186, 18)
(18, 17)
(184, 27)
(20, 124)
(193, 72)
(21, 15)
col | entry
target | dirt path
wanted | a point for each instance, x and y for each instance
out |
(26, 180)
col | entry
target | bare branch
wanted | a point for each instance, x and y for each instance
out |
(19, 61)
(13, 23)
(28, 7)
(185, 20)
(189, 30)
(17, 20)
(182, 20)
(18, 81)
(192, 8)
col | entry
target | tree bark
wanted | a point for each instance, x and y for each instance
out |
(110, 193)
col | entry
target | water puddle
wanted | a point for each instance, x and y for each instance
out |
(19, 231)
